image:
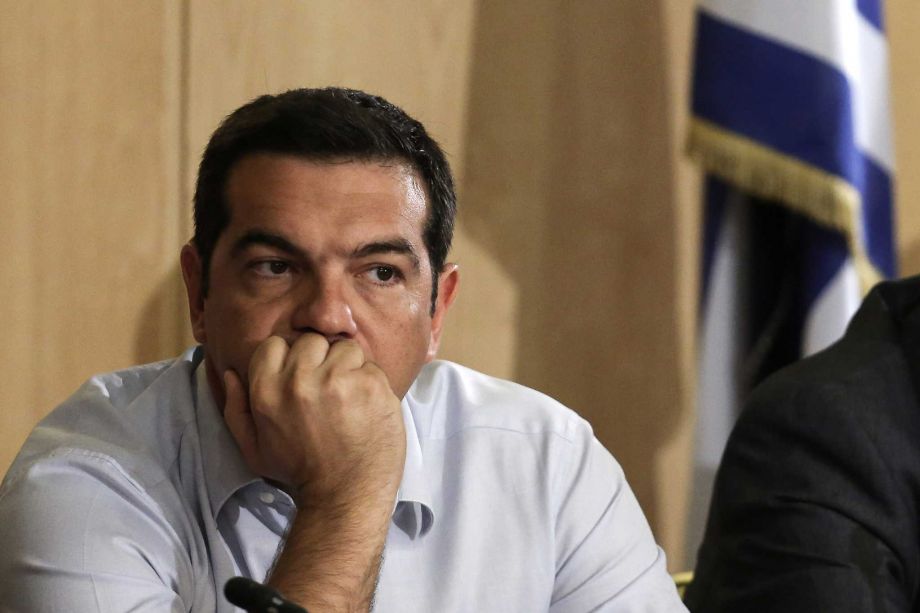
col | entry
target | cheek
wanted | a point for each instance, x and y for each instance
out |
(398, 332)
(401, 354)
(237, 327)
(402, 315)
(415, 305)
(241, 316)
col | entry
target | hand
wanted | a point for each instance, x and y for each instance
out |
(320, 419)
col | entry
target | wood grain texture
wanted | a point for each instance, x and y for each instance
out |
(90, 218)
(570, 186)
(673, 468)
(903, 26)
(415, 53)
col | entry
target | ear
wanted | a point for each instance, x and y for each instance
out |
(191, 274)
(448, 281)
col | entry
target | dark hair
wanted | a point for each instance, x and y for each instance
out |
(324, 124)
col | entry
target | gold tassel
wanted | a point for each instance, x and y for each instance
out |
(825, 198)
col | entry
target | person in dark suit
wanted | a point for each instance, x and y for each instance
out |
(817, 501)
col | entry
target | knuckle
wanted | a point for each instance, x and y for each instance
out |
(297, 385)
(337, 387)
(371, 383)
(374, 374)
(301, 371)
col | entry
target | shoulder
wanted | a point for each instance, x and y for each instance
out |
(94, 496)
(133, 419)
(849, 413)
(869, 376)
(820, 475)
(450, 398)
(546, 479)
(96, 535)
(512, 438)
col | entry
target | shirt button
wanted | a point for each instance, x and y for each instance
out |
(267, 497)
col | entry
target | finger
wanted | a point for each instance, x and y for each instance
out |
(239, 420)
(308, 351)
(376, 376)
(345, 354)
(267, 360)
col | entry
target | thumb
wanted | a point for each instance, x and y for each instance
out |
(239, 420)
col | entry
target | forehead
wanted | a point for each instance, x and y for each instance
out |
(297, 192)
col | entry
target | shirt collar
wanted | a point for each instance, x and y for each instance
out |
(226, 472)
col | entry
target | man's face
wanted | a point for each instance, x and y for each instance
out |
(331, 248)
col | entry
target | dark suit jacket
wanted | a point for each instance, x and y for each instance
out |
(817, 501)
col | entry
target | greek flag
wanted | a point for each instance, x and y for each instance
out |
(790, 123)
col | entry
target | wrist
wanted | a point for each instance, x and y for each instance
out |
(349, 507)
(354, 489)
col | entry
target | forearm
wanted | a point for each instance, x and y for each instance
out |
(331, 557)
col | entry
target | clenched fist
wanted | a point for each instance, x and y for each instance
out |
(320, 419)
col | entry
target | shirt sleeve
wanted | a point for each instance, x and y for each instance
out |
(78, 534)
(606, 556)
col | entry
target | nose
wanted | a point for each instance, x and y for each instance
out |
(324, 309)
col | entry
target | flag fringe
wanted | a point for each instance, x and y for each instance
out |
(763, 172)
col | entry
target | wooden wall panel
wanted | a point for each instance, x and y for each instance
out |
(673, 469)
(88, 165)
(903, 26)
(570, 186)
(415, 53)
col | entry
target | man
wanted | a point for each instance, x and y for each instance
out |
(305, 443)
(817, 500)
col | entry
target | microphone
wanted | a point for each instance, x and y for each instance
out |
(255, 597)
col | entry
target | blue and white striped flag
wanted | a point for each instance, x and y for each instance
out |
(790, 123)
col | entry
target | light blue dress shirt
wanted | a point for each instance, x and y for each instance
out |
(132, 496)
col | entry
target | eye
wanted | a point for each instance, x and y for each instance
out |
(384, 275)
(278, 268)
(271, 268)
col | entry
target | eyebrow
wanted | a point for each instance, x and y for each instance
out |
(269, 239)
(399, 246)
(260, 237)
